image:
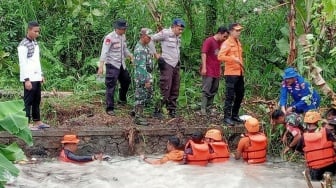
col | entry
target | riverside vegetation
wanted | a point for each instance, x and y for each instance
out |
(72, 32)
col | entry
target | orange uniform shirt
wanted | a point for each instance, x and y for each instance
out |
(243, 144)
(175, 155)
(230, 49)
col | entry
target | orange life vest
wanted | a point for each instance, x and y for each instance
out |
(220, 152)
(65, 158)
(256, 152)
(319, 152)
(200, 154)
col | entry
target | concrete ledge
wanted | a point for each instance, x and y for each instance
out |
(111, 140)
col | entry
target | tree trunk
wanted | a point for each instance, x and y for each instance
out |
(211, 17)
(156, 15)
(187, 6)
(292, 46)
(309, 51)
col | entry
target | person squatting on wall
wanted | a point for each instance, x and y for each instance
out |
(304, 96)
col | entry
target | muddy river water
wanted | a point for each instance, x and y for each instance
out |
(134, 173)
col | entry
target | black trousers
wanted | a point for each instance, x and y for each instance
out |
(114, 74)
(234, 95)
(32, 100)
(317, 174)
(169, 84)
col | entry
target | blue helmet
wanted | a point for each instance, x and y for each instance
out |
(290, 72)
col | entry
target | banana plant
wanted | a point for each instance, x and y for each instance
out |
(316, 22)
(13, 121)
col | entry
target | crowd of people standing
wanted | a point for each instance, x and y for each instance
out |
(223, 47)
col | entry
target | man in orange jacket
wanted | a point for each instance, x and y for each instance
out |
(174, 152)
(231, 54)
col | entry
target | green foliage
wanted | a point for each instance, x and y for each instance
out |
(315, 19)
(7, 169)
(13, 121)
(329, 10)
(12, 152)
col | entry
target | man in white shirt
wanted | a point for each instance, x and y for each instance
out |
(31, 74)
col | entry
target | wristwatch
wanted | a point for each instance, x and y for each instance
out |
(293, 108)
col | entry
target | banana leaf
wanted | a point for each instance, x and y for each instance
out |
(12, 152)
(14, 121)
(7, 168)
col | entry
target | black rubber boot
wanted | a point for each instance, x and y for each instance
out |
(228, 122)
(172, 113)
(237, 119)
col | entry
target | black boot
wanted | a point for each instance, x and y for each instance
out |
(237, 119)
(172, 113)
(228, 121)
(157, 114)
(227, 117)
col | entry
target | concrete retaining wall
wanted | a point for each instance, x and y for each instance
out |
(112, 141)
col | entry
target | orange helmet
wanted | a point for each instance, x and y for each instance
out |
(70, 139)
(214, 134)
(252, 125)
(312, 117)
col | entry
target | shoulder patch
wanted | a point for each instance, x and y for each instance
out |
(107, 41)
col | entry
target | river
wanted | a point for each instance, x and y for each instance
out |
(132, 172)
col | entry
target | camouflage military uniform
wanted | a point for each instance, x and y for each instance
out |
(294, 124)
(142, 60)
(294, 119)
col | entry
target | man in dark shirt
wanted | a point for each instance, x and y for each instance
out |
(210, 67)
(70, 147)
